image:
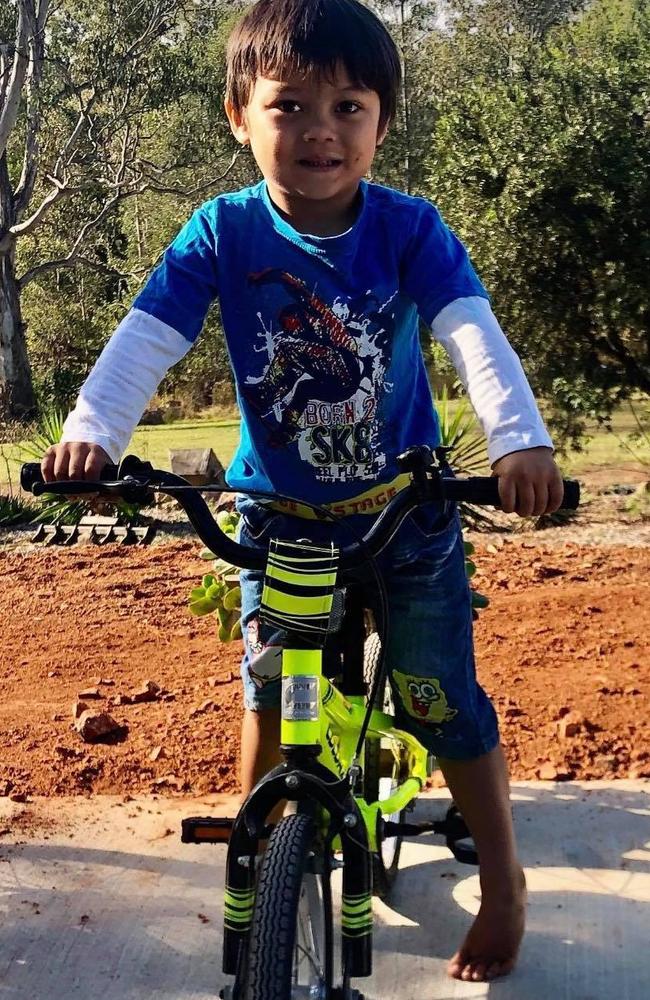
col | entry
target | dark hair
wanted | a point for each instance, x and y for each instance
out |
(306, 36)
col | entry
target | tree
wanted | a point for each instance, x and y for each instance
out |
(18, 64)
(541, 159)
(82, 89)
(400, 161)
(506, 18)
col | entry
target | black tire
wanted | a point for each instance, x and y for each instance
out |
(284, 885)
(381, 772)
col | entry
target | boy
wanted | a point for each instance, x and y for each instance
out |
(321, 278)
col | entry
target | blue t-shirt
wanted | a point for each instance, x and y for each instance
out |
(322, 332)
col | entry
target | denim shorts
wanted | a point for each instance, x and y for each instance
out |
(430, 654)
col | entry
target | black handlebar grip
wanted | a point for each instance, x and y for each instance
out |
(485, 490)
(31, 475)
(482, 490)
(571, 499)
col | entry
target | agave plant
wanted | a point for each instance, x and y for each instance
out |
(461, 432)
(15, 510)
(49, 431)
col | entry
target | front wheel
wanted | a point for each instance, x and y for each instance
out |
(290, 942)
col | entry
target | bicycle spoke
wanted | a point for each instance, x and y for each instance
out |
(309, 938)
(309, 958)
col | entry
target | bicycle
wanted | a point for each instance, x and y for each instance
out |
(346, 766)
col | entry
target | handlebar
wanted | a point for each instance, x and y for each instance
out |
(136, 481)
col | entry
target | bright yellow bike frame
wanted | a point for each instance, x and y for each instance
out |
(298, 595)
(336, 729)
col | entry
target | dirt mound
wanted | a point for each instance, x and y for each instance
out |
(563, 650)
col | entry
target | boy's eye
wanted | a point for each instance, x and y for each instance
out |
(348, 107)
(288, 107)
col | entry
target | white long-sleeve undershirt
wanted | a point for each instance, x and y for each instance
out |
(143, 349)
(492, 375)
(123, 380)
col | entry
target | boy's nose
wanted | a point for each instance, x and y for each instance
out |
(318, 130)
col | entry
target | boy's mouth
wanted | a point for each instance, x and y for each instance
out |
(320, 163)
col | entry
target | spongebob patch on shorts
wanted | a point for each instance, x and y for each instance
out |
(423, 698)
(265, 661)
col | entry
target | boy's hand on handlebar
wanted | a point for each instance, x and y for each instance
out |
(530, 482)
(73, 460)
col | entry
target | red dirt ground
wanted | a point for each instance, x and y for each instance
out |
(568, 629)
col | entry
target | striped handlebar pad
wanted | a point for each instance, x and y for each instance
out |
(299, 587)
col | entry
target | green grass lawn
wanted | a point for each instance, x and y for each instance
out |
(618, 450)
(153, 444)
(603, 449)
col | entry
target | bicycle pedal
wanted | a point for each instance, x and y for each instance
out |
(206, 830)
(458, 837)
(455, 827)
(467, 855)
(390, 829)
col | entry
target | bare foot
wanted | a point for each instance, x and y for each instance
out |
(491, 946)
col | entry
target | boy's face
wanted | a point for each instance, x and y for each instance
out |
(313, 139)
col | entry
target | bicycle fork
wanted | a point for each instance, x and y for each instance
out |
(302, 778)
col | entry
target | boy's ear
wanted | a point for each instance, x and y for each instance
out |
(382, 132)
(237, 120)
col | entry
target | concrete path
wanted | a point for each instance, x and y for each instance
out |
(99, 899)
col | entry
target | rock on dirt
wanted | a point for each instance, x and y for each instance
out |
(570, 725)
(148, 691)
(96, 727)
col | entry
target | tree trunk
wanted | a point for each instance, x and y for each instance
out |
(406, 100)
(17, 400)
